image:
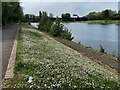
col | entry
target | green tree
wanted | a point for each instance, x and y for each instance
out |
(44, 22)
(92, 16)
(99, 16)
(11, 12)
(66, 34)
(66, 17)
(106, 14)
(56, 28)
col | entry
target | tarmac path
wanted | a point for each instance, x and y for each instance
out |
(8, 37)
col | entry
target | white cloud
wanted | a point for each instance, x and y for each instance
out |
(81, 8)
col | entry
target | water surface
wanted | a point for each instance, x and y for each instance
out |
(94, 35)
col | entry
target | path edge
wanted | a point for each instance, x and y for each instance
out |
(11, 63)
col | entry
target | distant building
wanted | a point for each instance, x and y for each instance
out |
(75, 16)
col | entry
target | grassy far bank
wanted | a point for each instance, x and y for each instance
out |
(102, 22)
(53, 65)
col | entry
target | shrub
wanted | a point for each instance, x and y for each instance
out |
(102, 49)
(58, 29)
(45, 22)
(66, 34)
(19, 65)
(55, 28)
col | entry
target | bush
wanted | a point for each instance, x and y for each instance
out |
(19, 65)
(45, 22)
(55, 28)
(102, 49)
(58, 29)
(66, 17)
(66, 34)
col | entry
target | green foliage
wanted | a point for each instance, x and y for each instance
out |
(107, 14)
(19, 65)
(58, 29)
(67, 34)
(66, 17)
(102, 49)
(91, 15)
(30, 17)
(55, 28)
(11, 12)
(35, 34)
(45, 22)
(58, 69)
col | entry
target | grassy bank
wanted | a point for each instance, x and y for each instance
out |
(53, 65)
(103, 22)
(106, 55)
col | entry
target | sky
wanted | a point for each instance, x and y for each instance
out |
(57, 8)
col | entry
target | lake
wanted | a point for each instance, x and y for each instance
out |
(94, 35)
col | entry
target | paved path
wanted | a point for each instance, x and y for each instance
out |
(8, 36)
(95, 56)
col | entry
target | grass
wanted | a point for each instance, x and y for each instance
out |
(106, 55)
(52, 65)
(103, 22)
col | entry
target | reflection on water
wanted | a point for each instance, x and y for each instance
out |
(35, 24)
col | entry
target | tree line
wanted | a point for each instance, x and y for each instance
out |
(107, 14)
(12, 12)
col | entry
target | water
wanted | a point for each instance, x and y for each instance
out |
(94, 35)
(35, 25)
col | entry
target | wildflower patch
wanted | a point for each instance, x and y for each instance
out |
(44, 63)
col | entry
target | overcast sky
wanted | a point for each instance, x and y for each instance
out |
(57, 8)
